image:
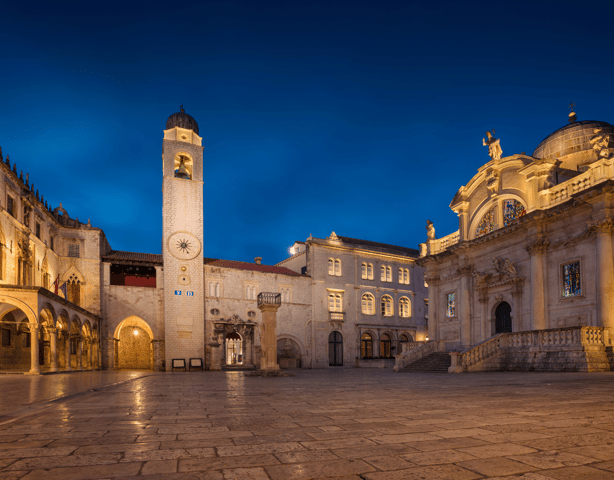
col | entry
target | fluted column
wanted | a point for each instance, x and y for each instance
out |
(539, 312)
(605, 278)
(464, 305)
(35, 368)
(53, 345)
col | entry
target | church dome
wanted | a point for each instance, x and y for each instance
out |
(182, 120)
(571, 143)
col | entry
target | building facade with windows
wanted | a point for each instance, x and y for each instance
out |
(530, 270)
(367, 299)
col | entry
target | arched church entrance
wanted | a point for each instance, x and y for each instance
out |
(133, 345)
(335, 349)
(503, 318)
(234, 349)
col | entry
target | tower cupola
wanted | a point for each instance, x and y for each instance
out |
(182, 120)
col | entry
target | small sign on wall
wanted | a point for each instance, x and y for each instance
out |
(177, 292)
(189, 294)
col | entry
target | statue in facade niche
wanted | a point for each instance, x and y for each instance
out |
(505, 266)
(430, 230)
(494, 147)
(600, 143)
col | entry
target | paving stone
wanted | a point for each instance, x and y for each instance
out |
(64, 461)
(600, 452)
(388, 462)
(465, 432)
(306, 471)
(497, 450)
(552, 459)
(13, 475)
(204, 443)
(361, 452)
(492, 467)
(256, 473)
(446, 443)
(24, 444)
(118, 470)
(578, 473)
(37, 452)
(604, 466)
(202, 464)
(405, 438)
(305, 456)
(437, 472)
(159, 467)
(259, 449)
(437, 457)
(342, 443)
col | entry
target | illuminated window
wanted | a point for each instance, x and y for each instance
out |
(334, 267)
(384, 346)
(367, 271)
(451, 305)
(386, 305)
(571, 280)
(368, 304)
(335, 302)
(404, 276)
(404, 307)
(487, 224)
(386, 274)
(366, 346)
(512, 209)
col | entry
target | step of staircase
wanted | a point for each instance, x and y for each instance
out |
(435, 362)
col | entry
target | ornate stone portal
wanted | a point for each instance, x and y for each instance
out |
(232, 344)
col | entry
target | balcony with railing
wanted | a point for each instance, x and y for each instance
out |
(269, 298)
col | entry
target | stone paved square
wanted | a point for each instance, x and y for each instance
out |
(342, 424)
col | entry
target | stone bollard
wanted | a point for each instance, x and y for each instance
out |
(455, 367)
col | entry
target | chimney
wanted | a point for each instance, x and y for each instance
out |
(258, 260)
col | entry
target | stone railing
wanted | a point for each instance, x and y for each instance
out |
(534, 350)
(415, 354)
(442, 244)
(407, 346)
(598, 172)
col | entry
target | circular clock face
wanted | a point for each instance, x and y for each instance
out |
(183, 245)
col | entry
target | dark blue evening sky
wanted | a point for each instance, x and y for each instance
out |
(358, 117)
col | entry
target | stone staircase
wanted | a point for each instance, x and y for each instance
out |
(437, 362)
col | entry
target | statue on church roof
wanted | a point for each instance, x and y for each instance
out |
(601, 142)
(430, 230)
(494, 147)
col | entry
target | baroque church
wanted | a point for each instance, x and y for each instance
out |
(68, 301)
(527, 281)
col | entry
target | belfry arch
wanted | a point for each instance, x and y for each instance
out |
(134, 350)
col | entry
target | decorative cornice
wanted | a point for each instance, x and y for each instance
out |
(538, 247)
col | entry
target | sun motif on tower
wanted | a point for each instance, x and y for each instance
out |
(184, 245)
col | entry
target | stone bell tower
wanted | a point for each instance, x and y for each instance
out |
(182, 239)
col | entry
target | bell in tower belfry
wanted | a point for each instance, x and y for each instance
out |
(182, 172)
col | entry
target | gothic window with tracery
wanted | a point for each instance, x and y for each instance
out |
(74, 290)
(512, 209)
(571, 280)
(487, 224)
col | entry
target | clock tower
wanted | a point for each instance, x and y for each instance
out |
(182, 239)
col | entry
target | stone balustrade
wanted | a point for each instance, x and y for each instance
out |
(411, 355)
(442, 244)
(560, 349)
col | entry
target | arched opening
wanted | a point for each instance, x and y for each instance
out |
(134, 346)
(335, 349)
(183, 166)
(384, 346)
(366, 345)
(288, 353)
(234, 349)
(503, 318)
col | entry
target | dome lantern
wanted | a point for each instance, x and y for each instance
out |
(182, 120)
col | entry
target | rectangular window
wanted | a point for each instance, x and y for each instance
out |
(73, 250)
(364, 271)
(6, 337)
(451, 305)
(10, 205)
(38, 230)
(51, 242)
(335, 302)
(571, 280)
(25, 341)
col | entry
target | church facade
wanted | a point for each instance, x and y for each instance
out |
(527, 282)
(68, 301)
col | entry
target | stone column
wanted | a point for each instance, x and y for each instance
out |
(53, 345)
(433, 312)
(35, 368)
(269, 337)
(464, 307)
(90, 355)
(605, 279)
(539, 313)
(486, 326)
(80, 354)
(68, 362)
(517, 325)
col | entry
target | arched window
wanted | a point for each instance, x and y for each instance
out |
(335, 302)
(387, 309)
(487, 224)
(366, 346)
(384, 346)
(334, 267)
(512, 209)
(404, 307)
(335, 349)
(74, 290)
(234, 349)
(404, 276)
(368, 304)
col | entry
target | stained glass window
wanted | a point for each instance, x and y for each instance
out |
(571, 280)
(451, 305)
(487, 224)
(512, 209)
